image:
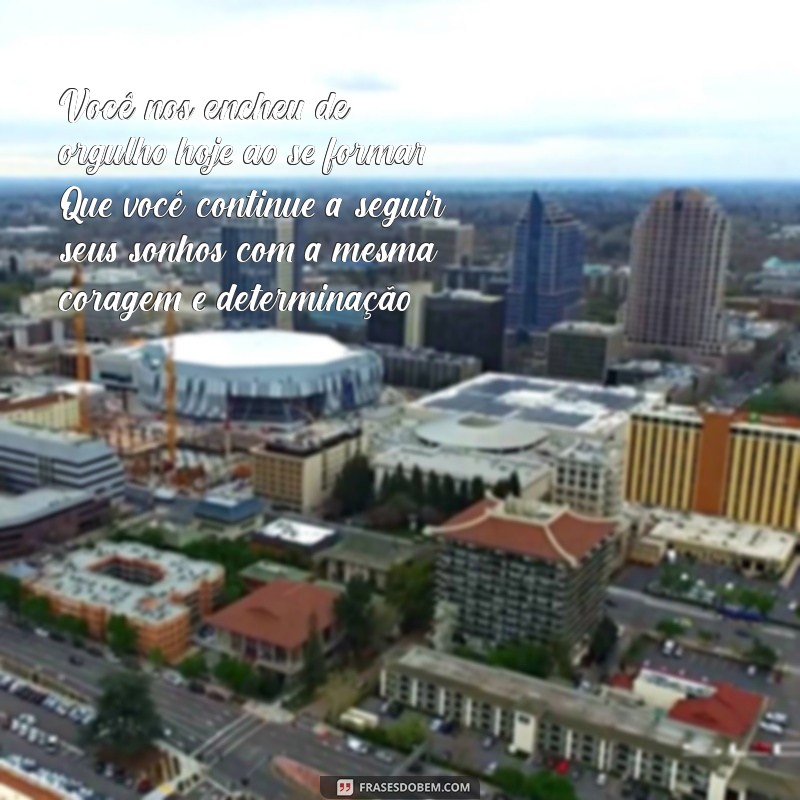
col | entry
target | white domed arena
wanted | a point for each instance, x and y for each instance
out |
(268, 376)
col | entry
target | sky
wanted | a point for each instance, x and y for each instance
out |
(491, 88)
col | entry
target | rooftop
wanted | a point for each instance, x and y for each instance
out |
(606, 711)
(538, 530)
(537, 403)
(586, 328)
(715, 533)
(79, 576)
(279, 613)
(261, 348)
(310, 439)
(299, 533)
(38, 503)
(462, 464)
(372, 549)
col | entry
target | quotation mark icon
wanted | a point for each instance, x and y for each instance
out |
(345, 788)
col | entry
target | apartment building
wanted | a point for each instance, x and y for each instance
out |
(523, 571)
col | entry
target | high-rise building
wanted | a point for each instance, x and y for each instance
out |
(277, 273)
(401, 328)
(454, 241)
(546, 267)
(468, 324)
(517, 570)
(583, 351)
(732, 464)
(679, 256)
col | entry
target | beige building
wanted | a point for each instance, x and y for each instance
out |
(749, 548)
(454, 241)
(299, 470)
(56, 411)
(679, 256)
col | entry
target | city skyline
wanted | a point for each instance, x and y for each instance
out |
(616, 103)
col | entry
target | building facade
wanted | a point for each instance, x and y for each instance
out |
(31, 458)
(589, 478)
(546, 267)
(401, 328)
(277, 273)
(56, 410)
(583, 351)
(454, 241)
(467, 323)
(679, 257)
(609, 732)
(417, 368)
(299, 471)
(733, 464)
(519, 571)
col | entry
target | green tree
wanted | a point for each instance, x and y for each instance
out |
(156, 657)
(127, 722)
(417, 485)
(669, 628)
(449, 495)
(477, 489)
(501, 489)
(37, 610)
(398, 482)
(237, 675)
(464, 498)
(510, 780)
(762, 655)
(121, 635)
(407, 733)
(355, 486)
(410, 590)
(546, 785)
(10, 592)
(433, 494)
(354, 615)
(603, 641)
(194, 667)
(514, 485)
(313, 673)
(72, 626)
(531, 658)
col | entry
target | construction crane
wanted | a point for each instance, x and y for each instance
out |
(170, 390)
(81, 356)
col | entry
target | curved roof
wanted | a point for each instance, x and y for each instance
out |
(481, 433)
(259, 348)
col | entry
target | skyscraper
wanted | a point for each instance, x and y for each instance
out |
(277, 273)
(679, 255)
(546, 267)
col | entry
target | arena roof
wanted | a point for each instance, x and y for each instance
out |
(266, 348)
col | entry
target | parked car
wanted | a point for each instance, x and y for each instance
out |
(778, 717)
(761, 747)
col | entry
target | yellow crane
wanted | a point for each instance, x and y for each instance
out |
(170, 389)
(81, 356)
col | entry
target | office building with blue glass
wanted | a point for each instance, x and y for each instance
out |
(546, 267)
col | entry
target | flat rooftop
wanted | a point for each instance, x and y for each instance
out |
(536, 403)
(608, 711)
(462, 465)
(21, 509)
(76, 577)
(371, 549)
(291, 531)
(715, 533)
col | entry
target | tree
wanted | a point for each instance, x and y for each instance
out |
(477, 489)
(546, 785)
(501, 489)
(463, 495)
(355, 486)
(603, 642)
(10, 592)
(433, 495)
(37, 610)
(194, 667)
(670, 628)
(121, 635)
(510, 780)
(530, 658)
(762, 655)
(417, 485)
(73, 626)
(313, 672)
(340, 693)
(156, 657)
(127, 722)
(410, 589)
(406, 734)
(398, 483)
(514, 487)
(354, 615)
(449, 496)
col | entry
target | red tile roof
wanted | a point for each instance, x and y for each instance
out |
(730, 711)
(279, 613)
(486, 524)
